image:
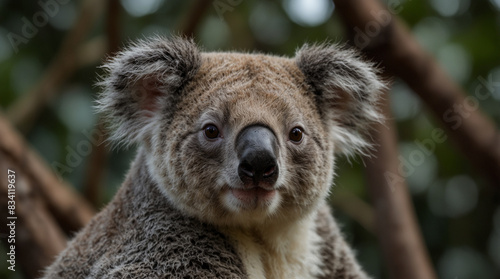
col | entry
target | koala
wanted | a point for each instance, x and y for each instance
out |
(236, 156)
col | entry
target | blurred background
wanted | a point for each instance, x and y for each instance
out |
(457, 210)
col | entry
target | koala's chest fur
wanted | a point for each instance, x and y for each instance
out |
(270, 253)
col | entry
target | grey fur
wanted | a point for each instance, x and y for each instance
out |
(347, 89)
(151, 70)
(174, 216)
(140, 235)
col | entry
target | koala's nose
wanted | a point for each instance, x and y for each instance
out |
(257, 149)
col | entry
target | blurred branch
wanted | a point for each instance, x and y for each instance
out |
(194, 17)
(69, 209)
(401, 55)
(95, 170)
(397, 229)
(113, 30)
(92, 51)
(396, 225)
(26, 109)
(96, 165)
(38, 238)
(355, 208)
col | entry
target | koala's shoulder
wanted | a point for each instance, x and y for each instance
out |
(147, 240)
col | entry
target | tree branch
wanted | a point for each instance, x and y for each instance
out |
(401, 55)
(24, 111)
(68, 208)
(96, 166)
(38, 238)
(397, 229)
(91, 52)
(355, 208)
(194, 17)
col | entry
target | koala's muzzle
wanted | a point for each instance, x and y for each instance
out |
(257, 150)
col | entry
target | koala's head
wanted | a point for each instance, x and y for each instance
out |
(240, 139)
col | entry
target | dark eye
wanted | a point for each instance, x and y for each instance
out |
(296, 134)
(211, 131)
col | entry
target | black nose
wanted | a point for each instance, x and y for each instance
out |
(257, 149)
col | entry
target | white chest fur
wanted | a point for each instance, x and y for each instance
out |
(279, 252)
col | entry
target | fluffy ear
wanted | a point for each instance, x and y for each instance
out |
(142, 84)
(347, 90)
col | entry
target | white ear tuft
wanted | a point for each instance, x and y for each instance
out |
(142, 82)
(347, 90)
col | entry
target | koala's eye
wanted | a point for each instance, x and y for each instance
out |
(211, 131)
(296, 134)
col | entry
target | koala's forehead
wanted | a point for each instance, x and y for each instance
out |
(236, 69)
(246, 83)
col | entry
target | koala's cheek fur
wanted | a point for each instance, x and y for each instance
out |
(189, 175)
(310, 172)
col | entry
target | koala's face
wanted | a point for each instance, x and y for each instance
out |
(246, 141)
(239, 139)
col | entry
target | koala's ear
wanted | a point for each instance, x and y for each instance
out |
(347, 90)
(142, 84)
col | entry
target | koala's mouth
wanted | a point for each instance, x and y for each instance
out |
(251, 198)
(256, 193)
